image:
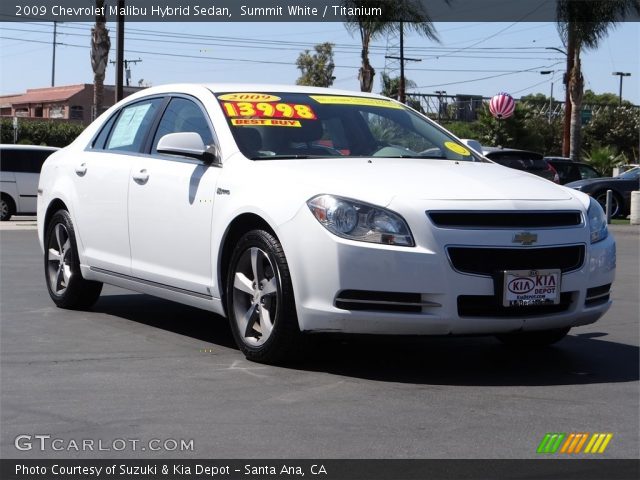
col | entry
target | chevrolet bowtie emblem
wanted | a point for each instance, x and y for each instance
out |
(525, 238)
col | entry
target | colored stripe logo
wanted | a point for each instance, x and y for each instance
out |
(573, 443)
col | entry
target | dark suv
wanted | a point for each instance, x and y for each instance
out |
(570, 171)
(525, 160)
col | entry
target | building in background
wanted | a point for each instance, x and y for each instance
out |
(68, 102)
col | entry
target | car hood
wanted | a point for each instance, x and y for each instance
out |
(379, 180)
(591, 181)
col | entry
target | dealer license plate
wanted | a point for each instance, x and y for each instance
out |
(531, 287)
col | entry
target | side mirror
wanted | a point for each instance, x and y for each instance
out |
(188, 144)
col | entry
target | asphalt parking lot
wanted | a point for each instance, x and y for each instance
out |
(137, 367)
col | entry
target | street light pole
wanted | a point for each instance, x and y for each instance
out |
(547, 72)
(621, 74)
(566, 126)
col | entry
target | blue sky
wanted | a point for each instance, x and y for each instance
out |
(472, 58)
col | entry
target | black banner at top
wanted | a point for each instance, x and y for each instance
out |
(298, 10)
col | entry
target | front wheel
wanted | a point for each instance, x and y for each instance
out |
(260, 301)
(540, 338)
(66, 286)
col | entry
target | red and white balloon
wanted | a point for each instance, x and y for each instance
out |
(502, 105)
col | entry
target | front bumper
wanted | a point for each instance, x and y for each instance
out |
(323, 266)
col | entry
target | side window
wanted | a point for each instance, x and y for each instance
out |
(9, 161)
(25, 161)
(100, 140)
(586, 172)
(132, 125)
(182, 115)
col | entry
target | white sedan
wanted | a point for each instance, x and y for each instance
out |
(298, 209)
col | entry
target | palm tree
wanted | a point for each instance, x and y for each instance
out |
(582, 25)
(411, 12)
(100, 45)
(391, 86)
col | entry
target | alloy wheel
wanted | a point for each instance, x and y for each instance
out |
(58, 261)
(256, 294)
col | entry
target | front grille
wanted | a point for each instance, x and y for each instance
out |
(491, 220)
(488, 261)
(597, 295)
(489, 306)
(381, 301)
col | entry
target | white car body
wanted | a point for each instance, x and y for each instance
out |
(165, 237)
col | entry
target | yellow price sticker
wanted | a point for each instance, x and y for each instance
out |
(248, 97)
(362, 101)
(457, 148)
(269, 122)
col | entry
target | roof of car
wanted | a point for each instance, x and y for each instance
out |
(249, 88)
(495, 150)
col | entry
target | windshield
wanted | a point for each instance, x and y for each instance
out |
(630, 174)
(299, 125)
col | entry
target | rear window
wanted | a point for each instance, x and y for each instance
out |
(23, 160)
(519, 160)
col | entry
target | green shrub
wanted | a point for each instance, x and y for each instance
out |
(53, 134)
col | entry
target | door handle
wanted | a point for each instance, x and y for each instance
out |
(141, 177)
(81, 169)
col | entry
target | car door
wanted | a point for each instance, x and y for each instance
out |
(101, 180)
(171, 205)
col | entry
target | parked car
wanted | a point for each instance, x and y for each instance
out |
(296, 210)
(620, 186)
(530, 162)
(20, 167)
(570, 171)
(473, 144)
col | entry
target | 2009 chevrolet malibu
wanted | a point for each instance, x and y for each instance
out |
(297, 209)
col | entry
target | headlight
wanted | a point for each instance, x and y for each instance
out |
(597, 221)
(360, 221)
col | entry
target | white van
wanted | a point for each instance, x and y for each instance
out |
(20, 167)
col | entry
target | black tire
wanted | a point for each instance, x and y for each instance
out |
(64, 280)
(616, 203)
(540, 338)
(7, 208)
(262, 313)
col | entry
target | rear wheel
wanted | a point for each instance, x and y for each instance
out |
(66, 286)
(260, 299)
(539, 338)
(7, 208)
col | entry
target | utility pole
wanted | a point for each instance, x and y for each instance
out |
(621, 74)
(127, 71)
(402, 97)
(53, 61)
(119, 50)
(440, 93)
